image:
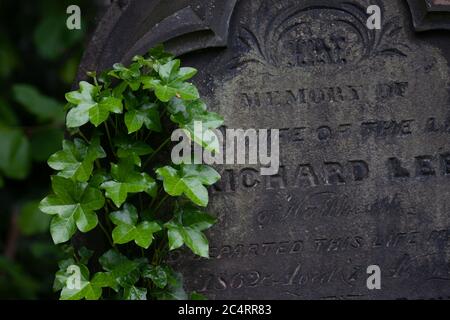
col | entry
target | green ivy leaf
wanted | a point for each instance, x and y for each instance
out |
(174, 289)
(134, 150)
(148, 114)
(169, 70)
(45, 108)
(166, 91)
(197, 296)
(8, 116)
(135, 293)
(111, 259)
(131, 75)
(86, 108)
(186, 228)
(61, 275)
(187, 113)
(100, 112)
(157, 274)
(189, 180)
(171, 83)
(77, 158)
(186, 74)
(87, 289)
(74, 205)
(127, 229)
(85, 255)
(126, 180)
(83, 101)
(105, 280)
(120, 271)
(158, 53)
(32, 221)
(15, 158)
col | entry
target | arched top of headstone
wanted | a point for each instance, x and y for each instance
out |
(131, 27)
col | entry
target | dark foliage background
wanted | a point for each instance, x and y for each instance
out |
(39, 57)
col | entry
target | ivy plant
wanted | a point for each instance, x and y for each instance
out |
(114, 178)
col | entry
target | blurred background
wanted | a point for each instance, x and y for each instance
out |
(39, 57)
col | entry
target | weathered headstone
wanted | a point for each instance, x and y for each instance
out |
(364, 117)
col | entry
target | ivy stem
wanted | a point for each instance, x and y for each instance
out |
(156, 152)
(106, 234)
(161, 203)
(97, 164)
(108, 221)
(154, 199)
(83, 136)
(109, 139)
(148, 136)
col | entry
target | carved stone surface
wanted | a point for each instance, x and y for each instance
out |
(430, 14)
(365, 142)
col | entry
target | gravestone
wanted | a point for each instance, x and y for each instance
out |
(364, 135)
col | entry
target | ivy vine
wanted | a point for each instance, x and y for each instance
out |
(114, 178)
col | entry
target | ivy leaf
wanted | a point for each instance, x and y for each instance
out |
(171, 83)
(144, 233)
(174, 289)
(169, 71)
(186, 228)
(186, 74)
(185, 111)
(77, 158)
(135, 293)
(120, 271)
(158, 53)
(74, 205)
(197, 296)
(100, 112)
(129, 149)
(165, 92)
(111, 259)
(86, 108)
(98, 177)
(32, 221)
(104, 280)
(130, 75)
(15, 159)
(45, 108)
(148, 114)
(188, 114)
(87, 290)
(83, 100)
(125, 180)
(8, 116)
(157, 274)
(127, 229)
(61, 275)
(189, 180)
